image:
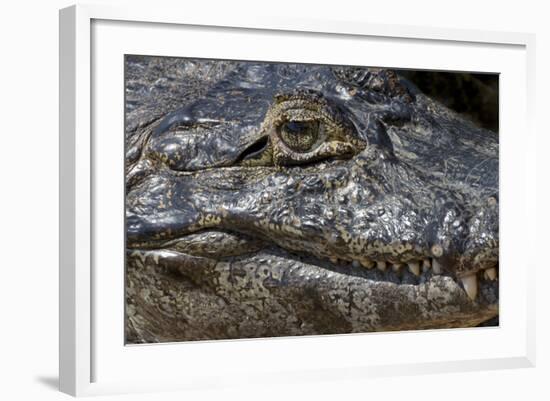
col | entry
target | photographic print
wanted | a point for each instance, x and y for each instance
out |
(268, 199)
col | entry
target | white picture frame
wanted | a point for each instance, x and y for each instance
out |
(92, 37)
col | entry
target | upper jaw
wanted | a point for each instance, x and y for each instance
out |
(408, 261)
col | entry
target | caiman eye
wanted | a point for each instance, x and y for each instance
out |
(300, 136)
(301, 128)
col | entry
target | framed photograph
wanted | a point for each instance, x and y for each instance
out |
(238, 195)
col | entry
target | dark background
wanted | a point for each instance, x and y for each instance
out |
(474, 96)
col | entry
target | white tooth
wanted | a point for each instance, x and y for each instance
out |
(334, 259)
(437, 250)
(381, 265)
(491, 273)
(396, 267)
(367, 263)
(414, 268)
(470, 285)
(436, 266)
(355, 263)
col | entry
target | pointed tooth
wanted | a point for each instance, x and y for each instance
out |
(334, 259)
(470, 285)
(414, 268)
(436, 266)
(396, 267)
(381, 265)
(437, 250)
(491, 273)
(355, 263)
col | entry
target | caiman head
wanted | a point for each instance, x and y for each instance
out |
(299, 199)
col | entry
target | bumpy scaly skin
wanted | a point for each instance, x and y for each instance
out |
(231, 234)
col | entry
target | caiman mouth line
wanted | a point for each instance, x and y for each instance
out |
(214, 245)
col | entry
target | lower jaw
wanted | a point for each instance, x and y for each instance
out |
(172, 296)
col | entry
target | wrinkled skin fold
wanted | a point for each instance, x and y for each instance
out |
(277, 199)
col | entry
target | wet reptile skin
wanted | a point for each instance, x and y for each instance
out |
(279, 199)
